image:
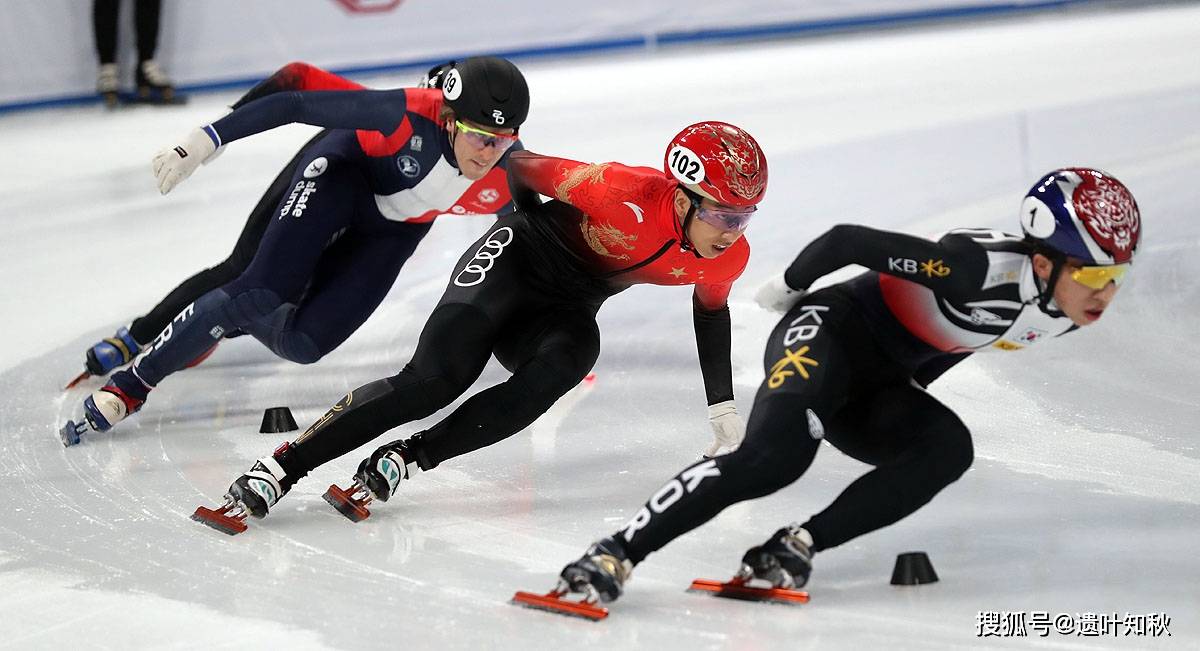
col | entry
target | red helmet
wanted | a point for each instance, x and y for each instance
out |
(718, 161)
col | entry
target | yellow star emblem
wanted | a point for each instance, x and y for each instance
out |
(677, 271)
(933, 268)
(797, 360)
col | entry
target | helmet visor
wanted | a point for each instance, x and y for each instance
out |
(1098, 277)
(726, 218)
(480, 138)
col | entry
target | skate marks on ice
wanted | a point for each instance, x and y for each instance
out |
(107, 522)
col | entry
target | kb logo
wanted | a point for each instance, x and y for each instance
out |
(476, 270)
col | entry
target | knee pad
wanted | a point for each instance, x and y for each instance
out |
(552, 375)
(424, 395)
(569, 340)
(296, 347)
(960, 451)
(951, 450)
(761, 474)
(277, 331)
(247, 307)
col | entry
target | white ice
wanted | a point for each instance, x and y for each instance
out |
(1084, 497)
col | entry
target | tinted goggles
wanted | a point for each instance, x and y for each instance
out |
(1098, 277)
(726, 218)
(480, 138)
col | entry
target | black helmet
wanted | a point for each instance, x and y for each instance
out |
(433, 78)
(487, 90)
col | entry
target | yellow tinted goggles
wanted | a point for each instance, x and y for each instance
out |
(480, 138)
(1100, 276)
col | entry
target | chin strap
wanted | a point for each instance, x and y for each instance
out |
(1047, 290)
(684, 243)
(451, 134)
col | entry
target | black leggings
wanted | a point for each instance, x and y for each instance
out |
(145, 328)
(104, 22)
(826, 380)
(549, 343)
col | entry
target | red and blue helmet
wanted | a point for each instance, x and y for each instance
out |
(1083, 213)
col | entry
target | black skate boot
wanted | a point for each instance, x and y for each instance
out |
(377, 478)
(253, 494)
(153, 86)
(785, 560)
(599, 574)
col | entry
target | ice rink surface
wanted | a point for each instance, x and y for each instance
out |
(1085, 494)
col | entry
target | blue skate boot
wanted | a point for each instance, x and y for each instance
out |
(112, 352)
(108, 354)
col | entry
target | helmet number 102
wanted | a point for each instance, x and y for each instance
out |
(685, 165)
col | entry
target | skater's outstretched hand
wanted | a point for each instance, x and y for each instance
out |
(775, 295)
(174, 164)
(728, 428)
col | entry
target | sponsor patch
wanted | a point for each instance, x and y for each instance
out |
(792, 363)
(316, 168)
(935, 269)
(1031, 335)
(476, 270)
(980, 316)
(408, 166)
(815, 428)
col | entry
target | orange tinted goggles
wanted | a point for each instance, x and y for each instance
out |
(1099, 277)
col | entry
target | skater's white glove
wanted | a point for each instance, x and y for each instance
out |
(776, 296)
(174, 164)
(728, 428)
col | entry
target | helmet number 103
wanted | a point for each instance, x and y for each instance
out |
(685, 165)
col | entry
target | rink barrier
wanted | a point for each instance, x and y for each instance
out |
(649, 42)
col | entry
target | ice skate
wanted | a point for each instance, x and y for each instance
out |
(253, 494)
(785, 561)
(769, 572)
(377, 478)
(599, 575)
(108, 354)
(101, 410)
(106, 84)
(741, 587)
(153, 85)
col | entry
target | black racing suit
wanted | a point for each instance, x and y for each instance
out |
(848, 364)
